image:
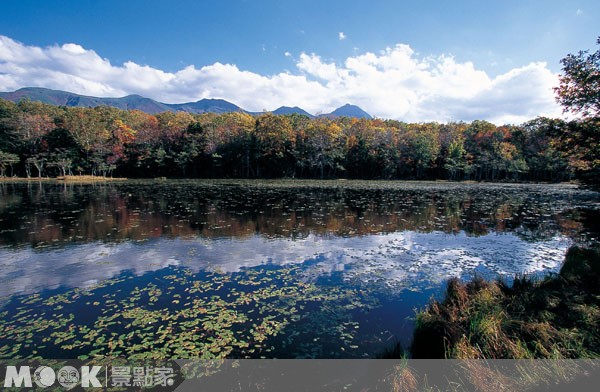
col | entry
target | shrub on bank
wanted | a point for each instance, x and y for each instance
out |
(554, 317)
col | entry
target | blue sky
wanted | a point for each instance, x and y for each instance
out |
(257, 53)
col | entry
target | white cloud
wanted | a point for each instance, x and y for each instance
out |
(287, 54)
(393, 83)
(341, 36)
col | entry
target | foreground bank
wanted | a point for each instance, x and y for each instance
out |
(554, 317)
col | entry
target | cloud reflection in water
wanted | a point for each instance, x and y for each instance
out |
(405, 259)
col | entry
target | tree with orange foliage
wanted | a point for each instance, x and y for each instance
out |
(275, 142)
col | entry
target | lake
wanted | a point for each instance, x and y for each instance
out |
(251, 269)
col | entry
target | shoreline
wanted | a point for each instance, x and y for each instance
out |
(83, 178)
(285, 179)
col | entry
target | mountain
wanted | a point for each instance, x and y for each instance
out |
(290, 110)
(131, 102)
(63, 98)
(349, 111)
(206, 105)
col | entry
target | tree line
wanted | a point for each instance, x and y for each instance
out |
(40, 140)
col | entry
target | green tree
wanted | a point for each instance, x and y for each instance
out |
(423, 146)
(453, 157)
(456, 159)
(7, 159)
(579, 93)
(579, 89)
(545, 161)
(9, 139)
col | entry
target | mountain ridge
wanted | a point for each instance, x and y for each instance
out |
(291, 110)
(349, 110)
(151, 106)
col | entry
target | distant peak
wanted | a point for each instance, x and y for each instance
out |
(211, 100)
(349, 110)
(291, 110)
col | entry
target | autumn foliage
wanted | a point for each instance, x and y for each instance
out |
(41, 140)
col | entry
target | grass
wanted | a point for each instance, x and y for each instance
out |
(20, 179)
(77, 178)
(87, 178)
(556, 317)
(554, 320)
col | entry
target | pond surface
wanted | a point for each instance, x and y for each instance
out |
(288, 269)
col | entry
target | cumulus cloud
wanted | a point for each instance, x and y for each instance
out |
(393, 83)
(341, 36)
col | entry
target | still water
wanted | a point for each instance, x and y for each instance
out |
(287, 269)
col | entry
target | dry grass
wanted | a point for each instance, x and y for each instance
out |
(492, 375)
(553, 320)
(404, 379)
(87, 178)
(556, 317)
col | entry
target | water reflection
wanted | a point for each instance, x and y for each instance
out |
(403, 235)
(396, 260)
(43, 215)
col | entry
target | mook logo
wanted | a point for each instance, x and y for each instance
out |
(45, 376)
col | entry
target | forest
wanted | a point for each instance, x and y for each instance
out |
(39, 140)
